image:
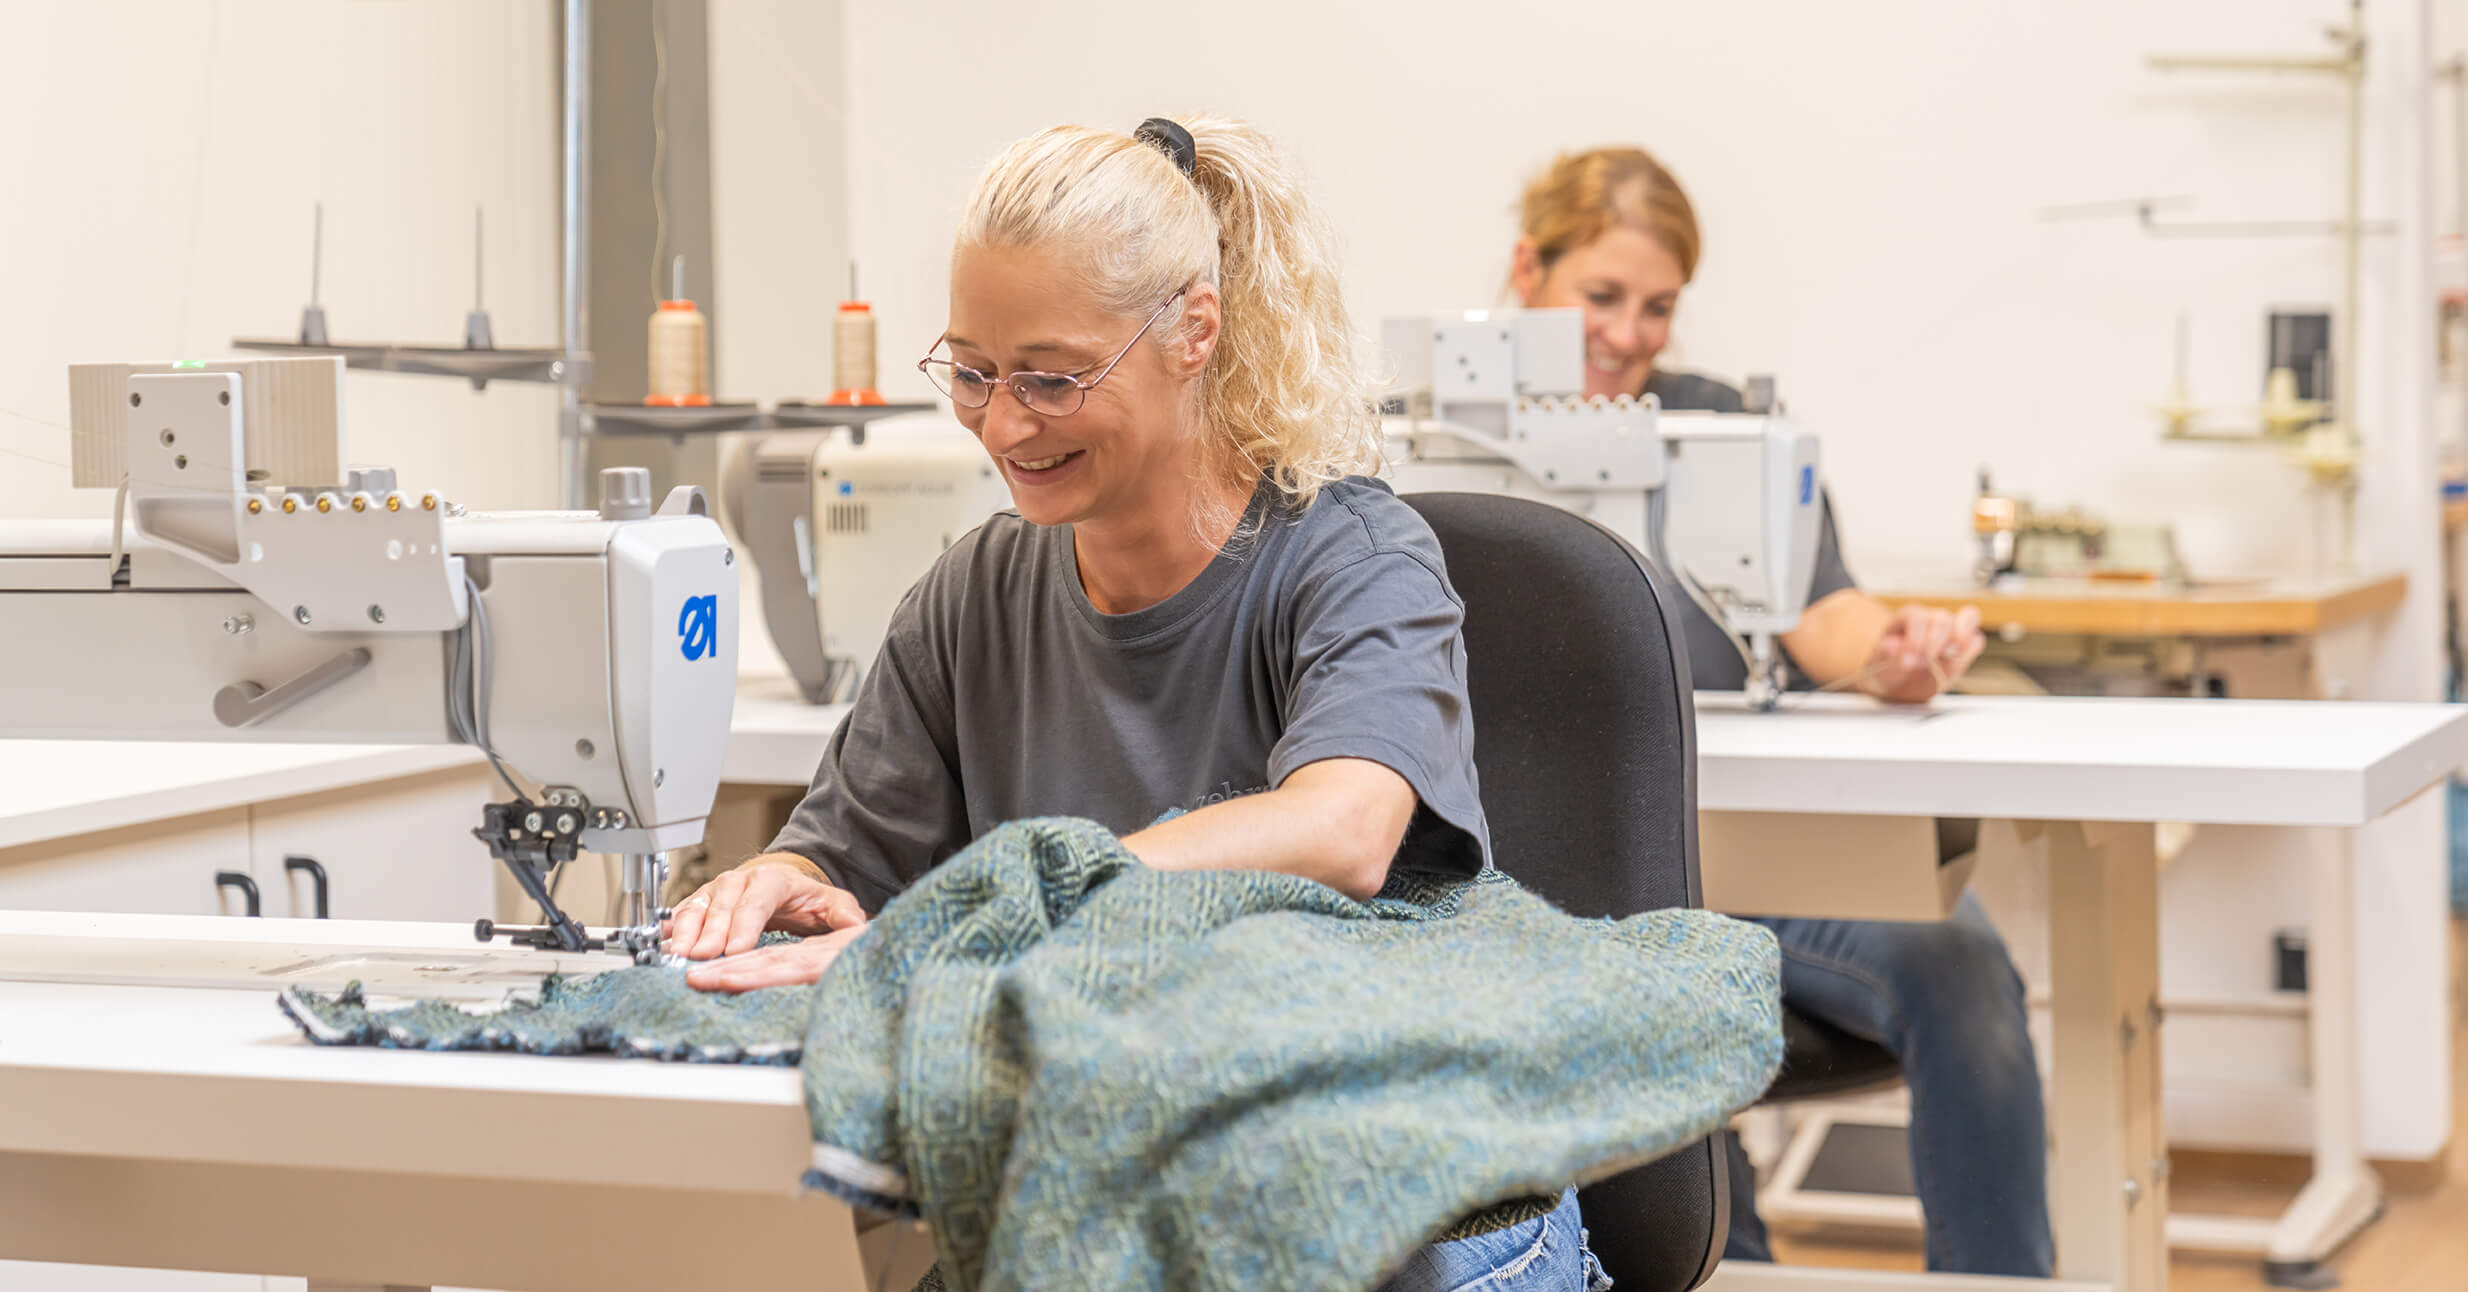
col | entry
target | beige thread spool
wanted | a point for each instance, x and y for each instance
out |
(852, 350)
(679, 367)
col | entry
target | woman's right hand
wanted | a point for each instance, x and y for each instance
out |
(774, 891)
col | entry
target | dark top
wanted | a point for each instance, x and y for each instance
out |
(1001, 692)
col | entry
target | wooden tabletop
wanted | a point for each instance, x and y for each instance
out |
(2227, 608)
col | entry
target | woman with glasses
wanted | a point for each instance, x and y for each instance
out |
(1610, 232)
(1200, 603)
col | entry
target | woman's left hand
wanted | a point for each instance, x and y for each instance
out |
(790, 964)
(1921, 650)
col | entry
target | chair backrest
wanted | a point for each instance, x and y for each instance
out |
(1585, 740)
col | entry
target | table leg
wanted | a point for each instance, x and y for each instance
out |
(2344, 1195)
(2109, 1174)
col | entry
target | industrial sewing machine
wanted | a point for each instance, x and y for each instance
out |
(841, 524)
(1492, 403)
(251, 588)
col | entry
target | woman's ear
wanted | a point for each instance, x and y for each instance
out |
(1525, 272)
(1203, 322)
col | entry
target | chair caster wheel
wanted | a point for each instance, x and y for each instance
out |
(2309, 1275)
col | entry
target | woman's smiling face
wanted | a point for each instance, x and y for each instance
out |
(1015, 310)
(1627, 284)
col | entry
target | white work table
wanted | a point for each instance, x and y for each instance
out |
(146, 1071)
(775, 738)
(2213, 762)
(53, 789)
(2083, 782)
(2244, 762)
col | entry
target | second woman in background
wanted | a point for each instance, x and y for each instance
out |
(1611, 233)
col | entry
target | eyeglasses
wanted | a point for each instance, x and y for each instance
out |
(1053, 394)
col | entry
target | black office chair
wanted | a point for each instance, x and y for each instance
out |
(1586, 746)
(1585, 740)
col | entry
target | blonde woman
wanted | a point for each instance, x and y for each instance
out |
(1610, 232)
(1200, 603)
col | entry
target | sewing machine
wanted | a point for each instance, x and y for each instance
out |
(1492, 403)
(841, 524)
(251, 588)
(2017, 540)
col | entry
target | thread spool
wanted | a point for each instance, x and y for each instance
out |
(852, 355)
(677, 356)
(679, 368)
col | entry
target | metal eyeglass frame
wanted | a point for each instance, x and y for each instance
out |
(927, 365)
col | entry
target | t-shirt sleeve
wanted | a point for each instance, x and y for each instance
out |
(1831, 575)
(1378, 673)
(886, 804)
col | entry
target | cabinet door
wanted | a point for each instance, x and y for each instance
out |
(395, 850)
(159, 868)
(32, 1276)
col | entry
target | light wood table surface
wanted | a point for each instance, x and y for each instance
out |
(2225, 608)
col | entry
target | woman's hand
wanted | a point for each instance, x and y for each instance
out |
(790, 964)
(775, 891)
(1921, 650)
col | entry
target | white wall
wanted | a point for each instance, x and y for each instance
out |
(779, 179)
(162, 165)
(1869, 177)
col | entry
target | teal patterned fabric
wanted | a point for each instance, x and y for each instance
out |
(1087, 1073)
(641, 1011)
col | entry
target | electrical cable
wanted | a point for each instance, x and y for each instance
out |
(470, 686)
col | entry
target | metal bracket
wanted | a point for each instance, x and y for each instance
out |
(245, 704)
(1597, 446)
(531, 838)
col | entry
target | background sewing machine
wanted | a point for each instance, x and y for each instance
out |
(2076, 604)
(841, 524)
(2019, 541)
(250, 588)
(1493, 403)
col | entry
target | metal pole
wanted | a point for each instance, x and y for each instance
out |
(2345, 375)
(572, 461)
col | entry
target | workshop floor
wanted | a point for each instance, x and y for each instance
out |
(2421, 1241)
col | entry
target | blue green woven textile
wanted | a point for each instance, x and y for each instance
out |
(641, 1011)
(1087, 1073)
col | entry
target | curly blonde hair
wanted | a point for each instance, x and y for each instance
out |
(1286, 393)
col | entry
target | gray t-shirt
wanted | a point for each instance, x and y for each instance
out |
(1713, 662)
(1002, 693)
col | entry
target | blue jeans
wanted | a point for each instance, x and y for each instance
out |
(1545, 1254)
(1945, 999)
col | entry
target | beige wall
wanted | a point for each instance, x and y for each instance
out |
(163, 160)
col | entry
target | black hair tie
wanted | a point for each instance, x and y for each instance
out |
(1170, 138)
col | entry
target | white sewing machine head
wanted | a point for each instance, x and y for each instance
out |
(260, 591)
(840, 524)
(1492, 403)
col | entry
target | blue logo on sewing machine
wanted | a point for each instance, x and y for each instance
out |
(698, 626)
(847, 488)
(1808, 484)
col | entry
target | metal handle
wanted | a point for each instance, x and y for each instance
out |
(246, 885)
(244, 704)
(317, 877)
